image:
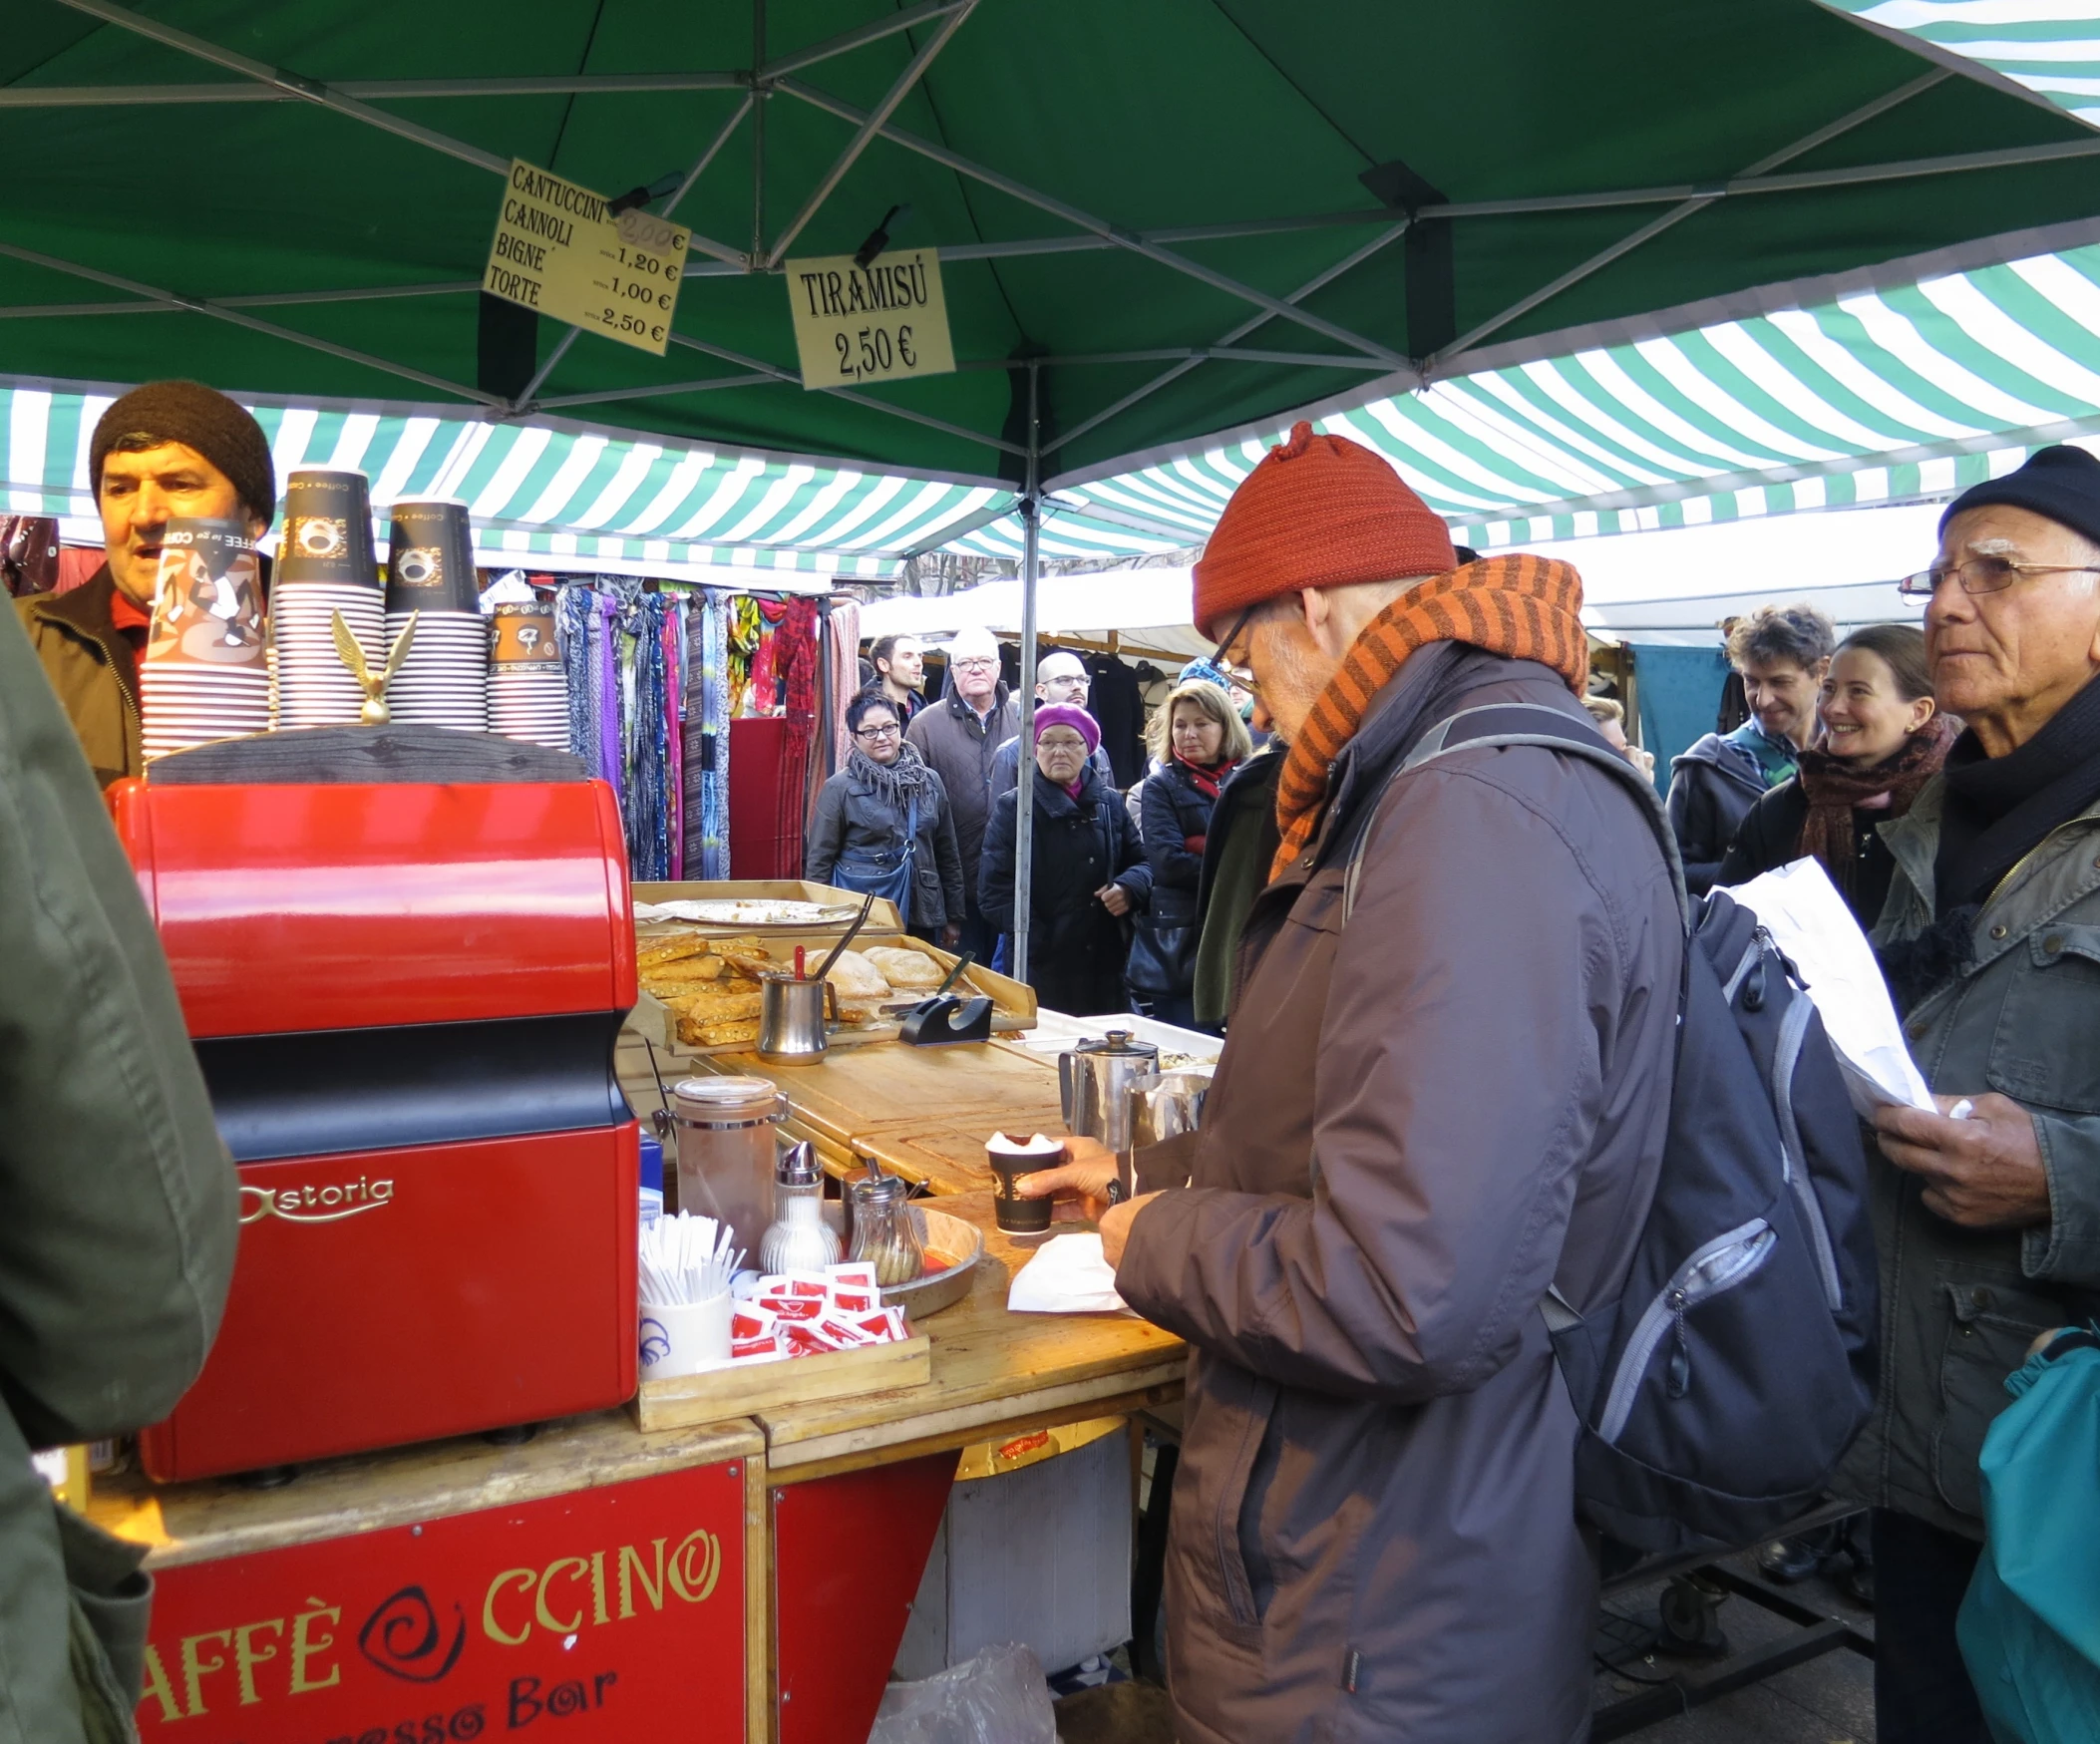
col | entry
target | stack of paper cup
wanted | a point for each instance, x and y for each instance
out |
(527, 692)
(325, 566)
(444, 682)
(203, 675)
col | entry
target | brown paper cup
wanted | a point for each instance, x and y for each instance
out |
(430, 558)
(523, 635)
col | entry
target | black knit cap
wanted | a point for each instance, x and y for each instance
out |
(2059, 483)
(200, 418)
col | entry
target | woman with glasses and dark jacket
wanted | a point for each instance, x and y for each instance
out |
(885, 818)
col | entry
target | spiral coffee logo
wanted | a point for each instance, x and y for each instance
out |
(405, 1638)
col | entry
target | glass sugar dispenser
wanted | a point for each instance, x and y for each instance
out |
(799, 1238)
(886, 1233)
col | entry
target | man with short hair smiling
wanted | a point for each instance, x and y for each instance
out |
(167, 448)
(1990, 1224)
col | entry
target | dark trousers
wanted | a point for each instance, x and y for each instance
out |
(1921, 1692)
(980, 936)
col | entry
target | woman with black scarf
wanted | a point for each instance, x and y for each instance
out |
(1882, 739)
(884, 823)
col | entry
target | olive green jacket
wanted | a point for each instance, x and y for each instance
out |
(116, 1214)
(90, 665)
(1960, 1306)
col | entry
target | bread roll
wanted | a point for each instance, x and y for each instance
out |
(856, 977)
(908, 971)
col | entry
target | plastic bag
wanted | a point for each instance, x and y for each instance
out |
(999, 1697)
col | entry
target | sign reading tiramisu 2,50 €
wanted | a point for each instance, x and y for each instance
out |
(556, 250)
(875, 323)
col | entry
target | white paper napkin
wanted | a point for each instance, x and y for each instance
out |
(1067, 1276)
(1808, 919)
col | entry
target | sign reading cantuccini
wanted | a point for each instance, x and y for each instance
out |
(557, 250)
(881, 322)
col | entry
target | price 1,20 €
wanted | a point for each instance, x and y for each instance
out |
(874, 351)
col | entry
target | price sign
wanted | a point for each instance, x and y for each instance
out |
(556, 250)
(876, 323)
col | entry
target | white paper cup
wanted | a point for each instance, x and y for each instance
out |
(683, 1338)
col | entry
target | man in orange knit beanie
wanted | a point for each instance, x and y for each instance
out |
(1440, 1095)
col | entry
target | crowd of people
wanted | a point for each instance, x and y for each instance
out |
(1413, 1140)
(924, 813)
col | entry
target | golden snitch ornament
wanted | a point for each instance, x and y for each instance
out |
(350, 652)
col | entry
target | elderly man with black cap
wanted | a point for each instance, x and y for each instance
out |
(1989, 1215)
(167, 448)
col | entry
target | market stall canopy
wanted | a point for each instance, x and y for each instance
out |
(545, 496)
(1872, 394)
(1178, 217)
(2049, 49)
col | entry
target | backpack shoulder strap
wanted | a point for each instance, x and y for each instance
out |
(1495, 725)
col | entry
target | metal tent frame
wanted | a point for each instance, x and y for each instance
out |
(1382, 368)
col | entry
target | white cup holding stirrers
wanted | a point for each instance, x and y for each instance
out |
(682, 1338)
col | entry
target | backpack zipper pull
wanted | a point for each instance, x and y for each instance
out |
(1677, 1380)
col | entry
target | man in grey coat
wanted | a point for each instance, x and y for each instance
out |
(1988, 1225)
(117, 1214)
(1432, 1106)
(958, 736)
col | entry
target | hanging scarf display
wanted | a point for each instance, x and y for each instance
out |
(706, 734)
(673, 655)
(794, 664)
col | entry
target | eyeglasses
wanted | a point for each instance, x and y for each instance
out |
(1985, 575)
(975, 665)
(888, 732)
(1238, 673)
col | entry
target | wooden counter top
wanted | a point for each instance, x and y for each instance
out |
(213, 1518)
(924, 1111)
(993, 1372)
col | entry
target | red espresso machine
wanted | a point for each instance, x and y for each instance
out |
(404, 964)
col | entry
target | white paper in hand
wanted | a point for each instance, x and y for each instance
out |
(1068, 1276)
(1807, 920)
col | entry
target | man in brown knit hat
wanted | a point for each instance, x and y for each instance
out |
(1444, 1090)
(164, 450)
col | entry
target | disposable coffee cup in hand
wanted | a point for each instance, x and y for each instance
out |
(1010, 1159)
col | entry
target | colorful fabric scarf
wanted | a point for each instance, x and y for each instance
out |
(1834, 787)
(1520, 607)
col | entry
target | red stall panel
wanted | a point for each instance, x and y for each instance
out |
(602, 1617)
(848, 1555)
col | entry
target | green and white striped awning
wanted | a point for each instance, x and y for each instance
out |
(546, 495)
(1879, 396)
(2047, 48)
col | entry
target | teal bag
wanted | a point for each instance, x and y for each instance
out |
(2030, 1625)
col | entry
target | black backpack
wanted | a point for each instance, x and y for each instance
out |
(1721, 1387)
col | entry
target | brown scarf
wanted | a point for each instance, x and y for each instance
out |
(1834, 787)
(1522, 607)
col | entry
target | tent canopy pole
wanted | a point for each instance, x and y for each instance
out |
(1024, 803)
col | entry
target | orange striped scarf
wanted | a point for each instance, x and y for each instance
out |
(1522, 607)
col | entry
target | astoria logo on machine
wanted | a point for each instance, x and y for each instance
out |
(315, 1204)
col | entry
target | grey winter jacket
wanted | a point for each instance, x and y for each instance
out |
(1960, 1306)
(852, 816)
(116, 1214)
(951, 737)
(1414, 1131)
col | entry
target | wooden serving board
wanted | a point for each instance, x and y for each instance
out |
(742, 1388)
(854, 1092)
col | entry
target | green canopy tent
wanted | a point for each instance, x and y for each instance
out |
(1154, 221)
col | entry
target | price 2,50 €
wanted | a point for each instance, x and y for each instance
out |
(874, 351)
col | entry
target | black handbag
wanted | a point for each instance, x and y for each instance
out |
(1162, 957)
(884, 871)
